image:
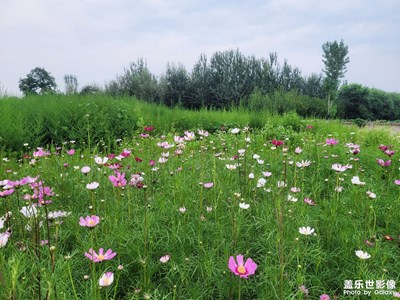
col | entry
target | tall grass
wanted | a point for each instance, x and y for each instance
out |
(99, 120)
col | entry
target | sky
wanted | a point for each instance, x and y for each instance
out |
(96, 39)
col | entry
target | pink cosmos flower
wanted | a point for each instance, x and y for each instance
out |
(40, 153)
(89, 221)
(107, 279)
(71, 152)
(5, 193)
(118, 180)
(4, 238)
(148, 128)
(397, 181)
(298, 150)
(240, 268)
(324, 297)
(93, 256)
(208, 185)
(277, 143)
(309, 201)
(383, 163)
(164, 259)
(389, 153)
(331, 142)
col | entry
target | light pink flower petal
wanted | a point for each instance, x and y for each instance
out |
(239, 259)
(250, 266)
(232, 265)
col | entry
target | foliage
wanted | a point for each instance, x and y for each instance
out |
(38, 82)
(357, 101)
(335, 58)
(71, 84)
(173, 237)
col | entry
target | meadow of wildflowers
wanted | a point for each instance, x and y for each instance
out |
(234, 214)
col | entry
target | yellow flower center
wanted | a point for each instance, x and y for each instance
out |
(100, 257)
(91, 222)
(241, 270)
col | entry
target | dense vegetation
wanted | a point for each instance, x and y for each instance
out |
(306, 200)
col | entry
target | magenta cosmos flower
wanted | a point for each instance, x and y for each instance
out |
(92, 255)
(89, 221)
(397, 181)
(240, 269)
(383, 163)
(331, 142)
(118, 179)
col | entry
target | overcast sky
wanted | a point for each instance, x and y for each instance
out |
(96, 39)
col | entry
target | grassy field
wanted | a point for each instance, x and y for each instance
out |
(313, 204)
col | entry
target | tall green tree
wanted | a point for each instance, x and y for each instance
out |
(38, 82)
(335, 58)
(71, 84)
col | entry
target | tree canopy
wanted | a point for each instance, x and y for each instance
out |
(38, 82)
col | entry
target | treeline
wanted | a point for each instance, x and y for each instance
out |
(226, 80)
(358, 102)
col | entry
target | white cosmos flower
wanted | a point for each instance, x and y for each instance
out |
(256, 156)
(363, 255)
(261, 182)
(267, 174)
(28, 211)
(92, 186)
(100, 161)
(235, 130)
(107, 279)
(371, 194)
(292, 199)
(281, 184)
(339, 168)
(244, 205)
(251, 176)
(306, 230)
(356, 180)
(303, 164)
(260, 161)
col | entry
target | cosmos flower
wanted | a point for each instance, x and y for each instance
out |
(85, 170)
(309, 201)
(101, 256)
(356, 181)
(89, 221)
(324, 297)
(92, 186)
(303, 163)
(208, 185)
(331, 142)
(4, 238)
(235, 130)
(100, 161)
(240, 268)
(298, 150)
(261, 182)
(363, 255)
(118, 180)
(28, 211)
(339, 168)
(164, 259)
(383, 163)
(244, 205)
(306, 230)
(397, 181)
(107, 279)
